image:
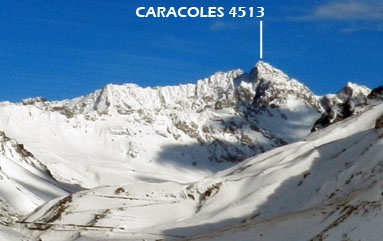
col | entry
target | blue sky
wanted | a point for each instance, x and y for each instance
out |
(65, 49)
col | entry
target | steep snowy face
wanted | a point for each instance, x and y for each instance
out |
(353, 91)
(354, 94)
(25, 183)
(275, 88)
(281, 105)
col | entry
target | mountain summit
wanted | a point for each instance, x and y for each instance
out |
(274, 88)
(231, 154)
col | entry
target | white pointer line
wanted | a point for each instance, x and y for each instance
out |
(260, 39)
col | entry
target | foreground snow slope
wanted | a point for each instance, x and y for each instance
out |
(327, 187)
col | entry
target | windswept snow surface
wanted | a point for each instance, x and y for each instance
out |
(326, 187)
(228, 158)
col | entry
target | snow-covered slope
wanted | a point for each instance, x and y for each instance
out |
(230, 156)
(327, 187)
(25, 183)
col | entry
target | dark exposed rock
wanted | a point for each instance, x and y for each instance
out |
(376, 93)
(379, 122)
(347, 102)
(32, 101)
(334, 114)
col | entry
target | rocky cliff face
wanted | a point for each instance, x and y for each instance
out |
(350, 100)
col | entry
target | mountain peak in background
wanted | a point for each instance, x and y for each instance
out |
(232, 154)
(264, 71)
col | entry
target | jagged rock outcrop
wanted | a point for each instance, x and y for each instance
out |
(376, 94)
(350, 100)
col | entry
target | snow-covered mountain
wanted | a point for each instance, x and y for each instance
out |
(206, 126)
(252, 155)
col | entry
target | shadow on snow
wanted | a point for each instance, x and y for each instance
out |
(340, 167)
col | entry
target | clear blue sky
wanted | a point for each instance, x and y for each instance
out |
(65, 49)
